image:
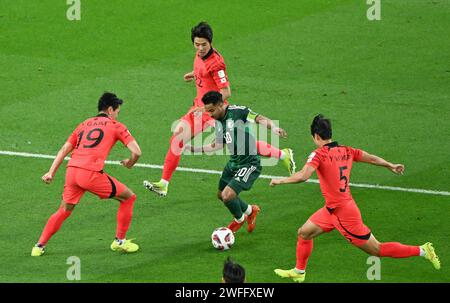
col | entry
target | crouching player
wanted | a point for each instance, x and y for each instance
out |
(90, 144)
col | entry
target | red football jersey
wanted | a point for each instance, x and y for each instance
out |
(333, 164)
(210, 74)
(93, 139)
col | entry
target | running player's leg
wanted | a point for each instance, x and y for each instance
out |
(108, 187)
(235, 205)
(348, 221)
(399, 250)
(317, 224)
(182, 134)
(51, 227)
(70, 197)
(189, 126)
(240, 180)
(125, 212)
(285, 155)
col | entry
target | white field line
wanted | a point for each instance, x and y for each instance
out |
(216, 172)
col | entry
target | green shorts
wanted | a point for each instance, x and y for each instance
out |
(240, 178)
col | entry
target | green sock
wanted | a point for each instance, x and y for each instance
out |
(244, 205)
(235, 208)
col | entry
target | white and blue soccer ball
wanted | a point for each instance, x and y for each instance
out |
(222, 238)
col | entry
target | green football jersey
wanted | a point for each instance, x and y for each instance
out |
(234, 131)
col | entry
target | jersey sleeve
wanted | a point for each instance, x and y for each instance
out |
(244, 113)
(313, 160)
(124, 135)
(73, 138)
(218, 72)
(357, 154)
(251, 116)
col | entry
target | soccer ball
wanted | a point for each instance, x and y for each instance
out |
(222, 238)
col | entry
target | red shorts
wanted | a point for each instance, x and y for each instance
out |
(198, 121)
(79, 180)
(347, 219)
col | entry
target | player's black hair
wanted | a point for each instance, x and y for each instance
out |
(233, 272)
(107, 100)
(202, 30)
(212, 97)
(321, 126)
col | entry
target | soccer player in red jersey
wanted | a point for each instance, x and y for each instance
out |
(90, 144)
(333, 164)
(210, 75)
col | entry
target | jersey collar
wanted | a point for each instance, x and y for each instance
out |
(211, 51)
(102, 115)
(332, 144)
(226, 113)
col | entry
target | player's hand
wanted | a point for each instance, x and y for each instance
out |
(279, 132)
(47, 178)
(198, 111)
(189, 77)
(397, 169)
(274, 182)
(127, 163)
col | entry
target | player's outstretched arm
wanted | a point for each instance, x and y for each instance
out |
(204, 149)
(260, 119)
(63, 152)
(298, 177)
(375, 160)
(135, 150)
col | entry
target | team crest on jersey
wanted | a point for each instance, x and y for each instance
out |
(230, 124)
(311, 156)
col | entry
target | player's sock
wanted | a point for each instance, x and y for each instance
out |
(235, 207)
(124, 215)
(398, 250)
(304, 249)
(422, 252)
(165, 182)
(120, 241)
(248, 211)
(53, 225)
(244, 206)
(172, 158)
(267, 150)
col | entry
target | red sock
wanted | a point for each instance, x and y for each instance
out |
(398, 250)
(53, 225)
(304, 249)
(124, 215)
(172, 158)
(267, 150)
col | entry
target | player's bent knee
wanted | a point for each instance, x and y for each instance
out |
(219, 195)
(228, 196)
(371, 248)
(67, 206)
(125, 195)
(303, 234)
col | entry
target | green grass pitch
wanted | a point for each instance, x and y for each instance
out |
(385, 85)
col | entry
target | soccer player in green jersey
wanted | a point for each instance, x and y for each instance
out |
(244, 167)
